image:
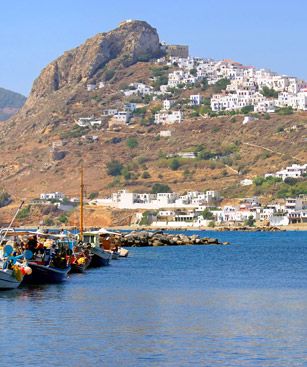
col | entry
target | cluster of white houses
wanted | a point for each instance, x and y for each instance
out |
(294, 171)
(293, 210)
(174, 210)
(129, 200)
(245, 88)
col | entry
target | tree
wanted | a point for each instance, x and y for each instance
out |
(132, 142)
(290, 181)
(93, 195)
(207, 214)
(221, 85)
(269, 92)
(250, 221)
(174, 164)
(247, 109)
(145, 175)
(159, 187)
(114, 168)
(258, 181)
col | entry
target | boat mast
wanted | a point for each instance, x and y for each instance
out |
(81, 203)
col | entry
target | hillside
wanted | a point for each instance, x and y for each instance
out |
(10, 103)
(42, 148)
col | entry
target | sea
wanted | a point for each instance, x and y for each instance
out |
(239, 305)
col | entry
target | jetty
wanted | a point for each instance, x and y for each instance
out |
(159, 238)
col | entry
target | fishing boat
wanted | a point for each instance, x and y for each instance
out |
(13, 267)
(81, 259)
(50, 261)
(91, 240)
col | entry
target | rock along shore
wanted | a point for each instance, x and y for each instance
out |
(146, 239)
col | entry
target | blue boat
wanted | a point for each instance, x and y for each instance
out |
(46, 273)
(100, 257)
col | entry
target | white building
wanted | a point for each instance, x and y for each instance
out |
(294, 171)
(90, 87)
(246, 182)
(166, 118)
(167, 104)
(196, 99)
(52, 196)
(88, 122)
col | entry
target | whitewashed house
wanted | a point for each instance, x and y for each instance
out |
(168, 118)
(196, 99)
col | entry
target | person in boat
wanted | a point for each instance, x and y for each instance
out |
(32, 243)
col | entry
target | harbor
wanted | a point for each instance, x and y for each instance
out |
(169, 306)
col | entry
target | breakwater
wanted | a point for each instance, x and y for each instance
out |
(146, 238)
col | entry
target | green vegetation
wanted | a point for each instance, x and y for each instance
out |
(247, 109)
(63, 218)
(145, 175)
(75, 132)
(221, 85)
(114, 168)
(146, 218)
(132, 142)
(93, 195)
(24, 213)
(284, 111)
(250, 221)
(207, 214)
(269, 92)
(159, 187)
(174, 164)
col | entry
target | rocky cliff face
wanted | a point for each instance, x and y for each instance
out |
(130, 42)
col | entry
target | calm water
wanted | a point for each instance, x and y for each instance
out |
(241, 305)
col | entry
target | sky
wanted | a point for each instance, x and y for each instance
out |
(263, 33)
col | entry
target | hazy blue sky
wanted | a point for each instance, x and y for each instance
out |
(264, 33)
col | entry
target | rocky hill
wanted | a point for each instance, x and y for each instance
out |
(41, 147)
(10, 103)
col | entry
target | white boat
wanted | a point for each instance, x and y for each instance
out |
(123, 252)
(8, 279)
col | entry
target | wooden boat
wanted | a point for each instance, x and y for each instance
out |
(100, 257)
(80, 261)
(8, 279)
(12, 271)
(46, 273)
(51, 262)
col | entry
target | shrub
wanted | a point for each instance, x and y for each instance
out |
(269, 92)
(132, 142)
(63, 219)
(174, 164)
(145, 175)
(290, 181)
(250, 221)
(93, 195)
(283, 111)
(221, 85)
(207, 214)
(247, 109)
(114, 168)
(159, 187)
(24, 213)
(211, 224)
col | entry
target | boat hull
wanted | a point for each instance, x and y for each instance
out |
(45, 274)
(100, 258)
(7, 281)
(79, 268)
